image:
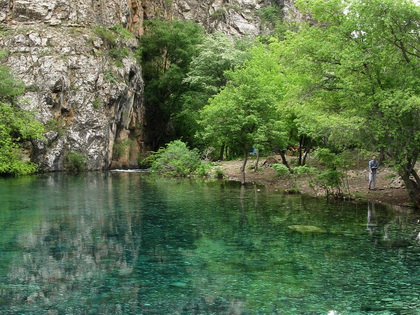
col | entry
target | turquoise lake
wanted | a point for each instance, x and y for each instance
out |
(133, 243)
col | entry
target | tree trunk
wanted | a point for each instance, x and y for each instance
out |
(381, 156)
(304, 157)
(222, 150)
(412, 185)
(283, 159)
(300, 149)
(257, 161)
(243, 167)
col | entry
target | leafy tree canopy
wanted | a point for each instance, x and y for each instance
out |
(207, 75)
(357, 68)
(166, 51)
(240, 114)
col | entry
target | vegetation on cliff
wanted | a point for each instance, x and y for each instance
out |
(16, 127)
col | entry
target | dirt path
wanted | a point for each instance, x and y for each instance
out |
(389, 190)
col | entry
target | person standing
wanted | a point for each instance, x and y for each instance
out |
(373, 167)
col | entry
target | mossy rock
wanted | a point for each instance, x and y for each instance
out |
(306, 229)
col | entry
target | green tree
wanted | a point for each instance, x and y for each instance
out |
(166, 51)
(354, 71)
(16, 126)
(207, 75)
(240, 114)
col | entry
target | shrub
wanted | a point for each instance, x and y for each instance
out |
(177, 160)
(56, 125)
(75, 162)
(96, 103)
(9, 86)
(11, 162)
(110, 77)
(114, 38)
(146, 161)
(203, 169)
(332, 181)
(301, 170)
(120, 147)
(17, 127)
(281, 169)
(218, 173)
(326, 157)
(122, 33)
(119, 53)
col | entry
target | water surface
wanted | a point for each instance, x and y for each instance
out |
(131, 243)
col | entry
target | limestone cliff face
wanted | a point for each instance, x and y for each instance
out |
(87, 100)
(90, 102)
(234, 17)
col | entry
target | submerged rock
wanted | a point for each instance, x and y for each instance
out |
(179, 285)
(306, 229)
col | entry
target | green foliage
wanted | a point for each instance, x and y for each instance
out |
(355, 73)
(123, 34)
(120, 147)
(203, 169)
(244, 114)
(391, 176)
(304, 170)
(75, 162)
(218, 173)
(166, 51)
(207, 75)
(119, 54)
(110, 77)
(10, 88)
(270, 15)
(16, 127)
(331, 180)
(146, 161)
(177, 160)
(281, 170)
(218, 15)
(55, 125)
(115, 38)
(96, 103)
(108, 37)
(327, 158)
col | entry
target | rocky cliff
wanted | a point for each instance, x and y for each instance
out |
(89, 98)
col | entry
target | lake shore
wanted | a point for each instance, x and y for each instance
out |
(389, 189)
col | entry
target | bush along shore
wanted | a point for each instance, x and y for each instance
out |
(324, 174)
(318, 181)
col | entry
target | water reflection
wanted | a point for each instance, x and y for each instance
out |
(371, 217)
(132, 244)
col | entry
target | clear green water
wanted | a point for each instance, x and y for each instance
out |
(121, 243)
